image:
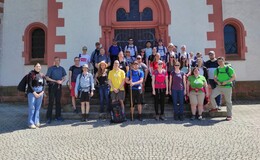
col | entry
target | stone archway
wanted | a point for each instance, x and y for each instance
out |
(108, 19)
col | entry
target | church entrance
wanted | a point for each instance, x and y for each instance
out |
(140, 37)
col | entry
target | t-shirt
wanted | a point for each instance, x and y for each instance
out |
(197, 82)
(151, 58)
(116, 77)
(142, 67)
(162, 50)
(132, 49)
(136, 76)
(129, 60)
(160, 79)
(103, 57)
(114, 50)
(154, 65)
(177, 80)
(122, 65)
(84, 59)
(211, 65)
(223, 76)
(148, 52)
(75, 72)
(56, 73)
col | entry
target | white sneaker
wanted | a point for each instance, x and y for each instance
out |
(218, 107)
(32, 126)
(38, 125)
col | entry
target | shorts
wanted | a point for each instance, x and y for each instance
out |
(72, 90)
(117, 96)
(84, 97)
(196, 98)
(137, 96)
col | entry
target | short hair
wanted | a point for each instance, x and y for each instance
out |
(97, 43)
(76, 58)
(56, 57)
(221, 58)
(193, 69)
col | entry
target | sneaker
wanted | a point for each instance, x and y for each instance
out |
(32, 126)
(75, 111)
(200, 117)
(192, 117)
(162, 118)
(219, 108)
(157, 118)
(181, 117)
(60, 119)
(38, 125)
(48, 121)
(229, 118)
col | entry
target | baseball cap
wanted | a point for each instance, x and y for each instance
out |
(84, 48)
(84, 66)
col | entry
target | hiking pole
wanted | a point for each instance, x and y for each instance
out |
(131, 97)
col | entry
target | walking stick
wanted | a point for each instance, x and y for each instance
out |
(131, 97)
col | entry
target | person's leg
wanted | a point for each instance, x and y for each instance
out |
(101, 98)
(87, 110)
(156, 101)
(83, 111)
(181, 101)
(214, 94)
(38, 104)
(57, 101)
(72, 94)
(51, 91)
(121, 97)
(162, 100)
(193, 103)
(228, 98)
(107, 98)
(31, 109)
(174, 101)
(201, 97)
(213, 86)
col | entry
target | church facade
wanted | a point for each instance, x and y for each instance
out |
(38, 31)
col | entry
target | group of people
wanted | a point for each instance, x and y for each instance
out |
(180, 75)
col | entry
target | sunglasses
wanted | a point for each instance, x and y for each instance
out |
(138, 58)
(160, 64)
(176, 65)
(171, 57)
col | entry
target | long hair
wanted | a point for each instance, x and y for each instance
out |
(193, 69)
(100, 71)
(183, 63)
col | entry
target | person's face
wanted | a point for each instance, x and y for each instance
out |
(220, 62)
(121, 55)
(172, 58)
(98, 46)
(160, 43)
(37, 68)
(57, 61)
(177, 65)
(130, 41)
(135, 65)
(84, 69)
(116, 64)
(160, 65)
(76, 61)
(211, 56)
(183, 49)
(199, 62)
(127, 53)
(154, 49)
(103, 66)
(170, 48)
(196, 71)
(102, 51)
(114, 43)
(157, 57)
(148, 45)
(142, 52)
(84, 50)
(139, 60)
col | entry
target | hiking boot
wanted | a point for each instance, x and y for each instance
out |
(229, 118)
(59, 119)
(140, 118)
(200, 117)
(175, 117)
(157, 118)
(181, 117)
(83, 118)
(86, 117)
(162, 118)
(48, 121)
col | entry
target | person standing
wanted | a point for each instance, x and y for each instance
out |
(223, 76)
(148, 51)
(55, 76)
(162, 50)
(35, 93)
(160, 89)
(177, 88)
(135, 79)
(74, 71)
(131, 47)
(84, 90)
(102, 81)
(84, 57)
(94, 56)
(116, 80)
(197, 88)
(122, 62)
(212, 64)
(102, 57)
(113, 51)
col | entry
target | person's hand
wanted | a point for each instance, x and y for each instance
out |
(116, 90)
(59, 81)
(132, 84)
(36, 95)
(188, 94)
(76, 95)
(70, 86)
(224, 83)
(153, 92)
(91, 94)
(219, 83)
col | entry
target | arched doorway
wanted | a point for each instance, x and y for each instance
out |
(140, 19)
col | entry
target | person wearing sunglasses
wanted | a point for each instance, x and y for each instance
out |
(177, 88)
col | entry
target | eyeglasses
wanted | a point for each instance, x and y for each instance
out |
(171, 57)
(138, 58)
(177, 65)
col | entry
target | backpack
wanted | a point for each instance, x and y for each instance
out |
(179, 56)
(116, 113)
(164, 48)
(226, 71)
(23, 84)
(133, 47)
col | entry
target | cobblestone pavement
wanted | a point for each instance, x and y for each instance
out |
(208, 139)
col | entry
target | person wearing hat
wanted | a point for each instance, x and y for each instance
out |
(101, 78)
(212, 64)
(102, 57)
(113, 51)
(84, 89)
(160, 89)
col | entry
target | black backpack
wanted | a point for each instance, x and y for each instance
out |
(226, 71)
(23, 84)
(116, 113)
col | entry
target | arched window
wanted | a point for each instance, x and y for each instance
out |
(147, 14)
(121, 15)
(230, 39)
(35, 41)
(38, 43)
(234, 39)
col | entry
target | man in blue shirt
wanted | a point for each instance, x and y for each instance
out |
(113, 51)
(55, 76)
(135, 79)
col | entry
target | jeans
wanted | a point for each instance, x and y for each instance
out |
(178, 96)
(159, 98)
(213, 84)
(34, 106)
(103, 96)
(54, 93)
